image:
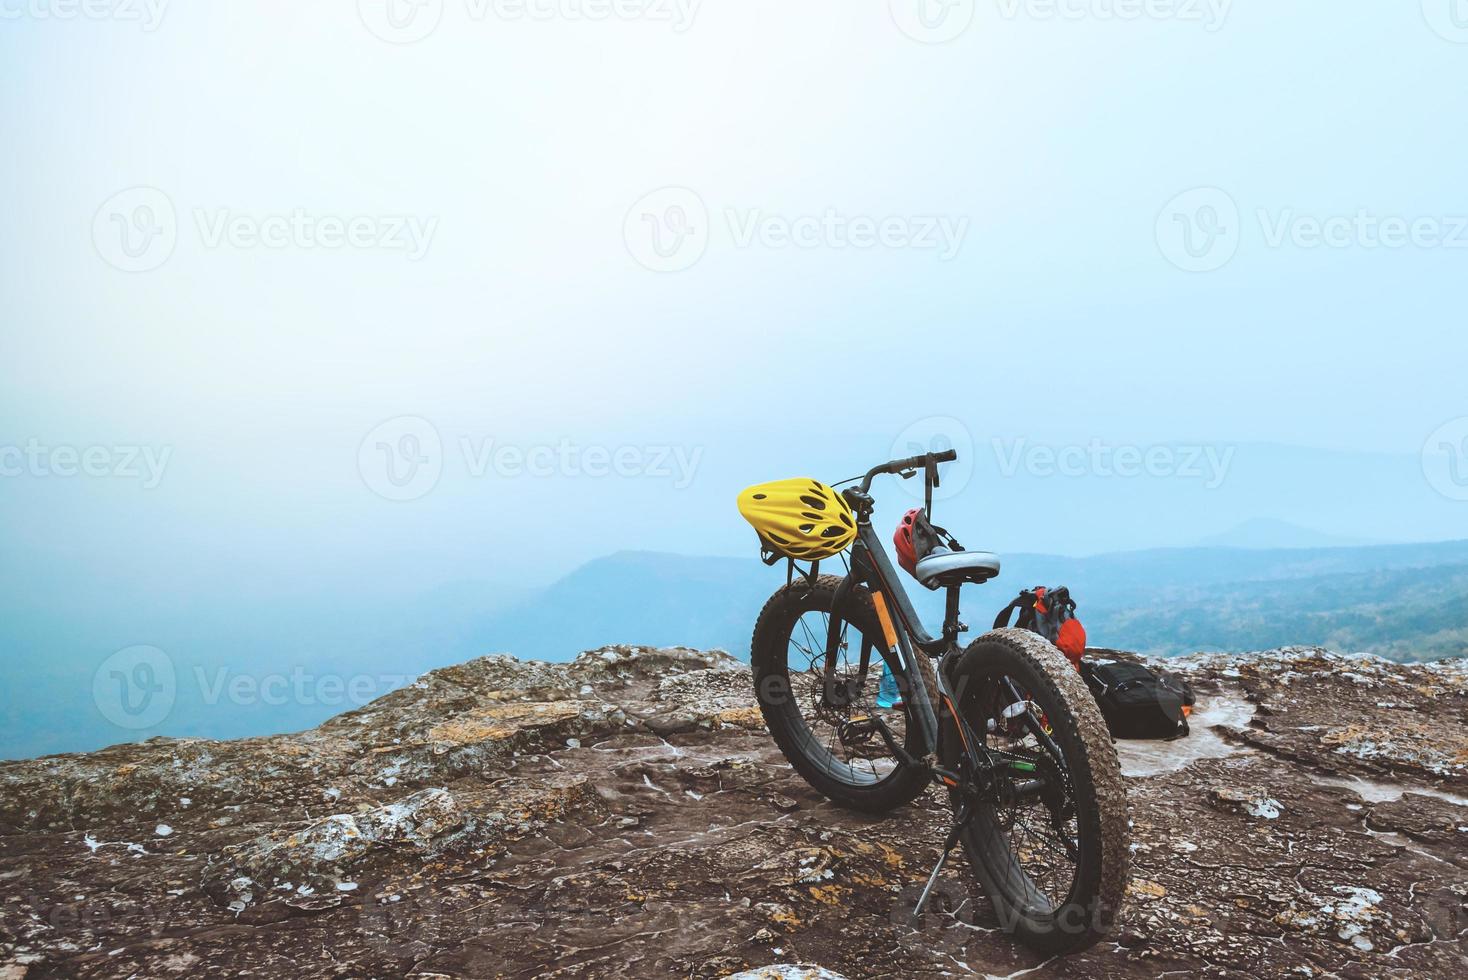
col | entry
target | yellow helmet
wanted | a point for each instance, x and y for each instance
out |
(800, 518)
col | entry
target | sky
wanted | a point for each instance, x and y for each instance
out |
(382, 296)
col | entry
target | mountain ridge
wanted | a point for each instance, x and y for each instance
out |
(661, 597)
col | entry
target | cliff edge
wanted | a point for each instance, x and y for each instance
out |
(626, 815)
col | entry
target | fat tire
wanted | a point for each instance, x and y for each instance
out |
(769, 648)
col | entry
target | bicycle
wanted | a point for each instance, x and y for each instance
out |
(1006, 725)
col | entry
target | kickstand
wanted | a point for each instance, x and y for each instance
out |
(964, 812)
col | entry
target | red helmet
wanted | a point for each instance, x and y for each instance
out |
(902, 540)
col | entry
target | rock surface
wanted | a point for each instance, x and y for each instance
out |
(626, 815)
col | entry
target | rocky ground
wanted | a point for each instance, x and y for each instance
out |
(626, 816)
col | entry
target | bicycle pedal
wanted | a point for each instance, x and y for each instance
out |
(855, 731)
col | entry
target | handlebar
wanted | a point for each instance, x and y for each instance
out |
(910, 463)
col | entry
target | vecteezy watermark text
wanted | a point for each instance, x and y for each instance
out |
(1201, 230)
(147, 14)
(303, 229)
(298, 686)
(408, 21)
(670, 229)
(404, 457)
(939, 21)
(1210, 14)
(567, 458)
(137, 230)
(137, 687)
(1208, 464)
(832, 229)
(36, 459)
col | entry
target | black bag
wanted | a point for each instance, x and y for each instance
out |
(1137, 702)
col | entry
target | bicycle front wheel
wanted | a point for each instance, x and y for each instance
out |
(836, 738)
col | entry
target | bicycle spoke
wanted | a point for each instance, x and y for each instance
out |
(862, 755)
(1035, 843)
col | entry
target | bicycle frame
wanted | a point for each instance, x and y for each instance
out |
(870, 566)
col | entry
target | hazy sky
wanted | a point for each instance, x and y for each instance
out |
(682, 247)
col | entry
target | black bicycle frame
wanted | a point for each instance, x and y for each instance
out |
(871, 567)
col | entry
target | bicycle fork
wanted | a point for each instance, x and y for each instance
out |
(922, 699)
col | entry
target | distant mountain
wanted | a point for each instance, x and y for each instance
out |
(636, 597)
(1405, 614)
(1407, 601)
(1266, 532)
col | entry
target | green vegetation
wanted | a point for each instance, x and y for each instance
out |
(1408, 615)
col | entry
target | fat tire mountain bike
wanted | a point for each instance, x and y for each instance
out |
(1006, 725)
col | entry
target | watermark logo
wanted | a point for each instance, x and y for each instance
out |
(947, 922)
(833, 229)
(667, 230)
(937, 434)
(1445, 459)
(300, 686)
(147, 14)
(135, 688)
(410, 21)
(1208, 465)
(932, 21)
(1199, 230)
(1448, 19)
(678, 13)
(1211, 14)
(400, 21)
(401, 459)
(670, 229)
(41, 461)
(306, 230)
(678, 464)
(1363, 229)
(136, 229)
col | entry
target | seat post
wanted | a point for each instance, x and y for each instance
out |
(950, 614)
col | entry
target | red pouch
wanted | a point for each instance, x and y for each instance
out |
(1072, 640)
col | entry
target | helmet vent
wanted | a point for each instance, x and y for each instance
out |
(799, 518)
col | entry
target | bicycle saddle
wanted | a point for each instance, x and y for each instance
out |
(942, 567)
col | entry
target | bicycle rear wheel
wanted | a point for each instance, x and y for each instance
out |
(1049, 839)
(838, 744)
